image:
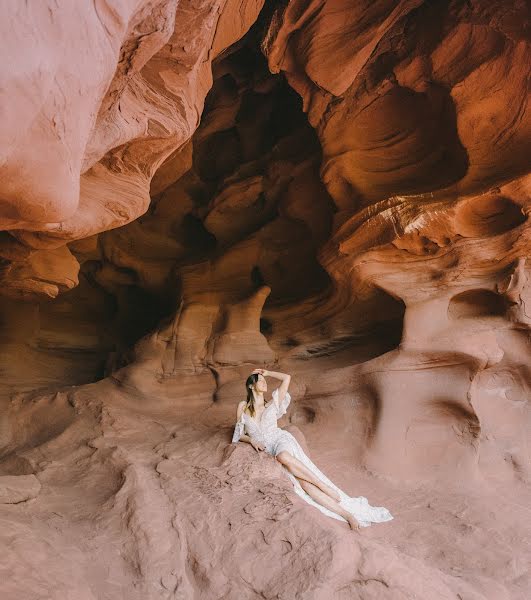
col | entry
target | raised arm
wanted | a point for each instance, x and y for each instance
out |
(284, 377)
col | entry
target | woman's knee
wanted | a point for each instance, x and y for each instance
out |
(306, 486)
(283, 457)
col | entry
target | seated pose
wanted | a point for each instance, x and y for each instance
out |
(257, 425)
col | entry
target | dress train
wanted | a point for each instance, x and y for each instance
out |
(277, 440)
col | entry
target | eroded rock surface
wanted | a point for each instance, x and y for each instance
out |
(18, 488)
(339, 190)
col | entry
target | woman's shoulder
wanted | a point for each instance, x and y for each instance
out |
(276, 391)
(241, 407)
(273, 399)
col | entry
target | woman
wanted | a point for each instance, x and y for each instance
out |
(257, 425)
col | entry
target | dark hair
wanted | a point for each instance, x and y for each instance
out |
(251, 380)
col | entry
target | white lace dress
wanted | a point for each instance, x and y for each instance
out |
(277, 440)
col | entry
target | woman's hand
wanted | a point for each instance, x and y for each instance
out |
(261, 372)
(257, 445)
(276, 375)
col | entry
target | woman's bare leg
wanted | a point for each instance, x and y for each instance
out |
(321, 498)
(300, 471)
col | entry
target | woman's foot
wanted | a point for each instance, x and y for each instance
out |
(352, 522)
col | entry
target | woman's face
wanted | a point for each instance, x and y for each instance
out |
(261, 384)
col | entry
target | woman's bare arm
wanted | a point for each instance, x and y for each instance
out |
(284, 377)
